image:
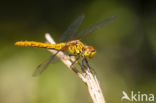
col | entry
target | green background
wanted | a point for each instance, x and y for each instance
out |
(125, 59)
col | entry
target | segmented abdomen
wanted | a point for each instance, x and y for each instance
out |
(58, 46)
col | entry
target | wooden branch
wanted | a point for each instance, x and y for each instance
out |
(87, 77)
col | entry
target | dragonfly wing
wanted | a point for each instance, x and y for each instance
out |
(90, 29)
(71, 30)
(44, 65)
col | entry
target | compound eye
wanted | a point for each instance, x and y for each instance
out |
(90, 48)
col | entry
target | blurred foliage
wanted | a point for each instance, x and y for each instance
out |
(125, 59)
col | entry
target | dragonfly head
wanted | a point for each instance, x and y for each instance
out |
(89, 52)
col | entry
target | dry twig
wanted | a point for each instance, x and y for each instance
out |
(87, 77)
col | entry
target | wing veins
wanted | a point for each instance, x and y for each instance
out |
(90, 29)
(42, 67)
(72, 29)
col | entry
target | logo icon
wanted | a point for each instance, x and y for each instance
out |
(137, 97)
(125, 96)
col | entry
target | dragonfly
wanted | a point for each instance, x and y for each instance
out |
(74, 47)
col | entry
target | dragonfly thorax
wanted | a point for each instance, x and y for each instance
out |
(76, 47)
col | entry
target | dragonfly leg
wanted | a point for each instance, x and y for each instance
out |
(82, 65)
(77, 62)
(71, 55)
(74, 62)
(86, 61)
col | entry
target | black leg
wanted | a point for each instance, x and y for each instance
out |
(92, 70)
(82, 65)
(87, 63)
(72, 55)
(74, 62)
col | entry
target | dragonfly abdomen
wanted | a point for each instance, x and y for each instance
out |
(40, 45)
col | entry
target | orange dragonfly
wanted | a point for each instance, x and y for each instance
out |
(74, 46)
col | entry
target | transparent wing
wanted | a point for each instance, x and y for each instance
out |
(42, 67)
(71, 30)
(90, 29)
